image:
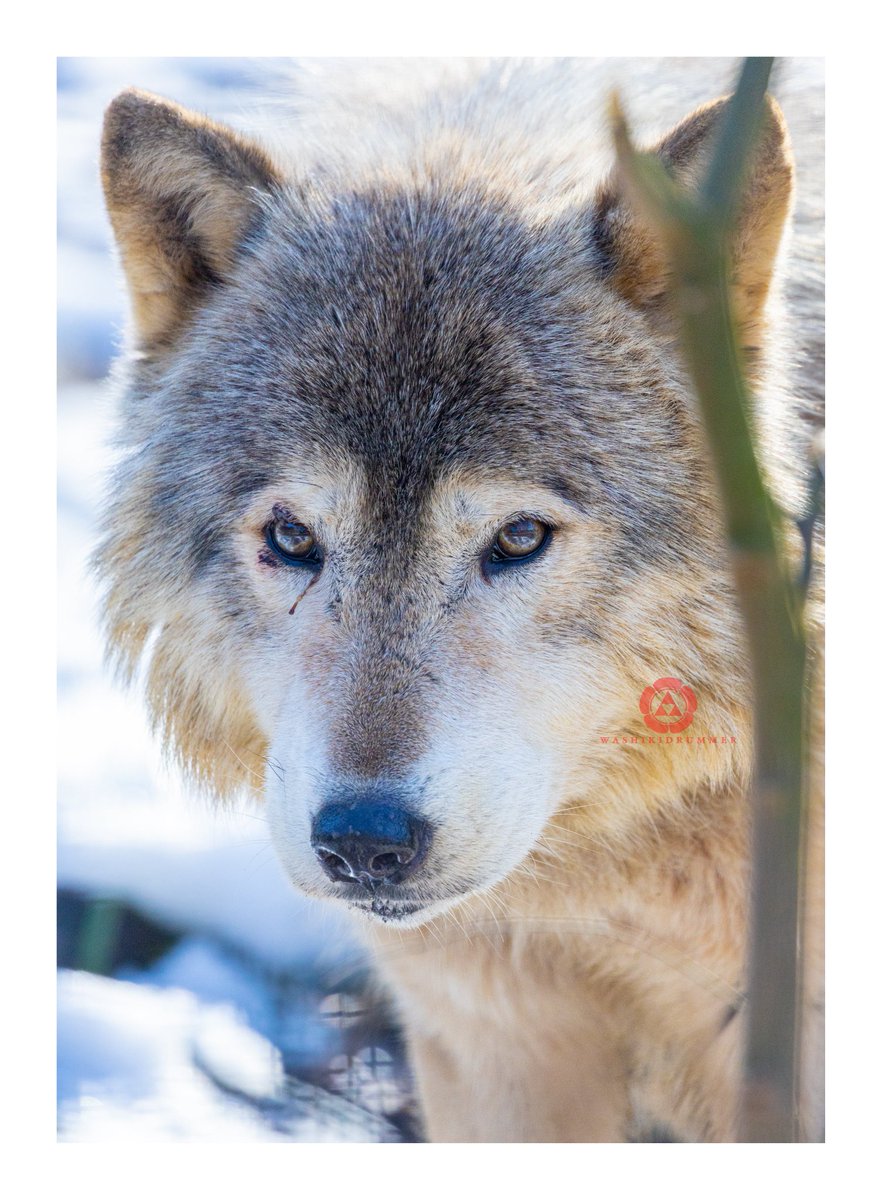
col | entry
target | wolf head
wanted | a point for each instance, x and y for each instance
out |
(414, 503)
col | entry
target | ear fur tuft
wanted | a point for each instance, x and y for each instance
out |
(630, 253)
(179, 189)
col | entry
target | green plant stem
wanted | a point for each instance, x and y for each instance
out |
(98, 936)
(778, 657)
(695, 230)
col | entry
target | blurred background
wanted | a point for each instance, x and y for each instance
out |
(200, 997)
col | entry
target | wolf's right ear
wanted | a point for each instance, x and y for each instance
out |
(181, 192)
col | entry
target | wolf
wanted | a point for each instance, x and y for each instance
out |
(415, 529)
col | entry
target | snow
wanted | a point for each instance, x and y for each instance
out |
(140, 1063)
(118, 1041)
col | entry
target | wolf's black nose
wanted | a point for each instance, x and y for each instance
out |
(369, 840)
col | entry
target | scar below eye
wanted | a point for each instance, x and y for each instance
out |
(293, 607)
(266, 558)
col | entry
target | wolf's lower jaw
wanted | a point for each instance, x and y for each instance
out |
(406, 913)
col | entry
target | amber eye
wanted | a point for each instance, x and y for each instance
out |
(519, 539)
(293, 542)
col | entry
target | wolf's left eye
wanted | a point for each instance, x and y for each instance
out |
(519, 539)
(293, 542)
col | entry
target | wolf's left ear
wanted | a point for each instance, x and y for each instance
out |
(181, 192)
(629, 253)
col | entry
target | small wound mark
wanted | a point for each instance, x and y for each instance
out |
(302, 594)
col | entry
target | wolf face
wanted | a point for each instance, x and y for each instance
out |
(415, 503)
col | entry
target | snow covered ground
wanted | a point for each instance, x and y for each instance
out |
(210, 1009)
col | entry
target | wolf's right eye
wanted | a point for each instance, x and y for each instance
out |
(293, 542)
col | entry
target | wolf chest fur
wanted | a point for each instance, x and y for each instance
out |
(414, 506)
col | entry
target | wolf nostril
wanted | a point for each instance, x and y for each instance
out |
(383, 864)
(368, 840)
(332, 861)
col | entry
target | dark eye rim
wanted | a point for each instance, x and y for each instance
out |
(495, 559)
(313, 559)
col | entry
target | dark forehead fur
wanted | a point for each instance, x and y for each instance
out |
(416, 332)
